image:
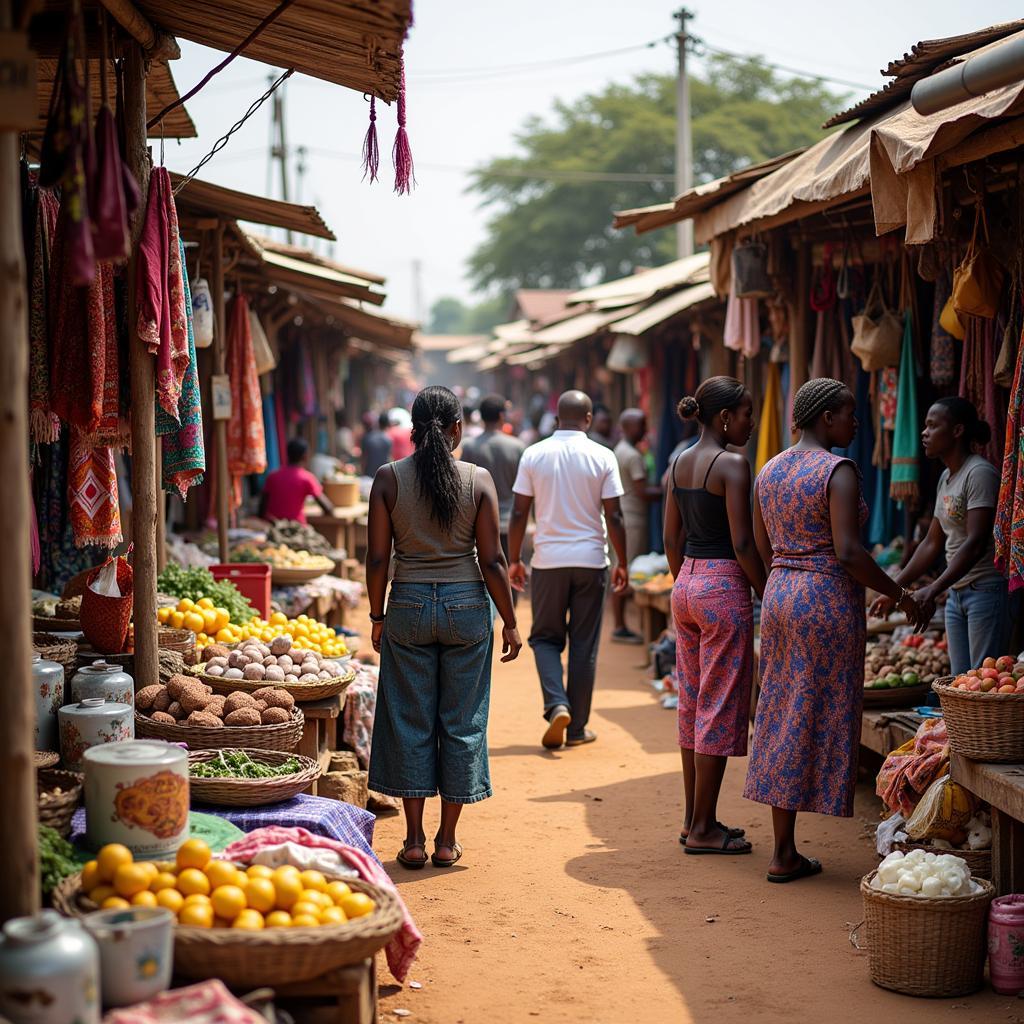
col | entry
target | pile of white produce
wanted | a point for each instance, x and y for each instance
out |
(924, 874)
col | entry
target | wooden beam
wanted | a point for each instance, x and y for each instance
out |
(19, 881)
(997, 139)
(143, 387)
(220, 427)
(161, 508)
(800, 321)
(158, 45)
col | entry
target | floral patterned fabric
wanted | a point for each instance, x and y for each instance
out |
(714, 619)
(43, 423)
(807, 730)
(1009, 526)
(92, 490)
(247, 448)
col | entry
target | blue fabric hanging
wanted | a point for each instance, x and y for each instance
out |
(270, 429)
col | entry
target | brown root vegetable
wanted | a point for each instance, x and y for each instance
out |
(243, 716)
(215, 651)
(162, 701)
(238, 659)
(176, 711)
(162, 716)
(275, 716)
(238, 699)
(203, 719)
(254, 671)
(215, 670)
(276, 697)
(216, 706)
(145, 697)
(194, 697)
(261, 706)
(280, 645)
(274, 673)
(176, 683)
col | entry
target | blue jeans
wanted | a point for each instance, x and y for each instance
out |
(430, 727)
(977, 622)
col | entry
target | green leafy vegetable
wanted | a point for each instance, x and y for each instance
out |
(197, 583)
(236, 764)
(56, 859)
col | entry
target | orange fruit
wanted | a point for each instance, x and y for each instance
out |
(196, 915)
(193, 853)
(90, 876)
(220, 872)
(163, 880)
(314, 896)
(101, 892)
(260, 894)
(241, 878)
(250, 921)
(228, 901)
(115, 903)
(313, 880)
(170, 899)
(305, 909)
(278, 919)
(259, 871)
(287, 889)
(192, 881)
(357, 904)
(332, 915)
(305, 921)
(110, 858)
(337, 891)
(144, 899)
(150, 868)
(130, 879)
(197, 898)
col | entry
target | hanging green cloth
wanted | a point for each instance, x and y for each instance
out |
(906, 471)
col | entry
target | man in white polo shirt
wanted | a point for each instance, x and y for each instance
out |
(575, 485)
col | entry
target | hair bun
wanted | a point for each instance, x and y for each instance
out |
(688, 407)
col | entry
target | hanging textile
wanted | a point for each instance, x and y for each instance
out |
(184, 458)
(108, 205)
(1009, 526)
(769, 433)
(44, 423)
(159, 291)
(92, 495)
(977, 382)
(942, 356)
(247, 449)
(270, 433)
(906, 471)
(742, 332)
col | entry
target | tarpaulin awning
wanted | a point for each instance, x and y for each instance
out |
(579, 327)
(315, 279)
(664, 309)
(469, 353)
(646, 284)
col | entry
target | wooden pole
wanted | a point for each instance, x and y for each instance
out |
(143, 400)
(19, 881)
(134, 22)
(161, 507)
(800, 320)
(220, 427)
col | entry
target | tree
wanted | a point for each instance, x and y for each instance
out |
(554, 231)
(447, 316)
(452, 316)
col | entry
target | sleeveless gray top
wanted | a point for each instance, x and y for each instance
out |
(424, 551)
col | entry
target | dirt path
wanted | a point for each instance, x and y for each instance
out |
(574, 901)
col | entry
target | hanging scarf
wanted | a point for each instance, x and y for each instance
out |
(742, 332)
(270, 433)
(942, 357)
(906, 471)
(44, 424)
(184, 458)
(769, 433)
(1009, 527)
(92, 493)
(159, 293)
(247, 449)
(977, 382)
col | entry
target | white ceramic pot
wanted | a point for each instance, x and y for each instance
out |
(48, 691)
(49, 972)
(136, 952)
(90, 723)
(137, 793)
(101, 679)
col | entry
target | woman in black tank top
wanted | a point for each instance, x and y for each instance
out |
(709, 541)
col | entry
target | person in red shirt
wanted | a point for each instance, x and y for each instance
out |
(286, 489)
(400, 433)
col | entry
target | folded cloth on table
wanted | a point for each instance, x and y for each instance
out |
(209, 1002)
(910, 769)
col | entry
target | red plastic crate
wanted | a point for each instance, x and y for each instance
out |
(252, 580)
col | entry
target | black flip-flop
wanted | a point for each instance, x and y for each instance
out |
(734, 833)
(408, 862)
(727, 849)
(441, 862)
(808, 866)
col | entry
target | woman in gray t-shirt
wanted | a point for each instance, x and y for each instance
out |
(965, 508)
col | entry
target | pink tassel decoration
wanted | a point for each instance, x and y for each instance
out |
(401, 153)
(371, 151)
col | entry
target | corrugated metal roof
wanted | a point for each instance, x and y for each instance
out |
(646, 283)
(542, 305)
(664, 309)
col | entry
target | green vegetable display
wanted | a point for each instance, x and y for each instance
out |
(56, 859)
(197, 583)
(236, 764)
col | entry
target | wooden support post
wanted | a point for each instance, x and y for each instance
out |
(800, 320)
(161, 508)
(130, 18)
(143, 401)
(19, 881)
(220, 427)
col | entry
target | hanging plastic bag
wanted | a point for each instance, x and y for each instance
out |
(261, 350)
(943, 813)
(877, 333)
(627, 354)
(107, 606)
(202, 313)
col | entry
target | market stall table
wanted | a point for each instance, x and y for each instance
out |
(320, 731)
(340, 527)
(884, 731)
(655, 609)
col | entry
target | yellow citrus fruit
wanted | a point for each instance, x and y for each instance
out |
(260, 894)
(115, 903)
(194, 621)
(205, 602)
(313, 880)
(228, 901)
(162, 615)
(303, 908)
(144, 899)
(259, 871)
(166, 865)
(90, 876)
(110, 858)
(357, 904)
(287, 889)
(193, 853)
(305, 921)
(186, 604)
(130, 879)
(337, 891)
(320, 899)
(332, 915)
(249, 920)
(241, 878)
(170, 899)
(101, 893)
(198, 897)
(192, 881)
(150, 868)
(163, 880)
(220, 872)
(279, 619)
(196, 915)
(224, 635)
(278, 919)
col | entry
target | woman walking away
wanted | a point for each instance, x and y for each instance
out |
(808, 512)
(709, 540)
(977, 610)
(436, 639)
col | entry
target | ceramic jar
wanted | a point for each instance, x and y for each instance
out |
(136, 952)
(101, 679)
(49, 972)
(89, 723)
(48, 690)
(1006, 944)
(137, 793)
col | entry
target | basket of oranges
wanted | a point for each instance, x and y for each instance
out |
(249, 926)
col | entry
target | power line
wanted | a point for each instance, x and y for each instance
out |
(704, 47)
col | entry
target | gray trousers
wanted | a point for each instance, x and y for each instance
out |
(568, 605)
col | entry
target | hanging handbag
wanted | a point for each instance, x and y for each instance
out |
(1006, 361)
(202, 313)
(978, 281)
(261, 350)
(750, 270)
(950, 320)
(877, 333)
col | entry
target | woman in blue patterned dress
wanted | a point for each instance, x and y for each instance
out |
(808, 513)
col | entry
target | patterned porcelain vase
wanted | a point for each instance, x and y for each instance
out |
(101, 679)
(135, 952)
(88, 724)
(48, 690)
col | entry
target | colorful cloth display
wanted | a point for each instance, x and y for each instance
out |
(942, 356)
(92, 494)
(978, 384)
(742, 331)
(44, 424)
(906, 470)
(910, 769)
(247, 449)
(769, 432)
(1009, 525)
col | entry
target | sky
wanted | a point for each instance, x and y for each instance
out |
(468, 97)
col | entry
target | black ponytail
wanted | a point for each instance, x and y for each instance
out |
(977, 431)
(434, 412)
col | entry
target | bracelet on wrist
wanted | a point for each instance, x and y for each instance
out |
(376, 619)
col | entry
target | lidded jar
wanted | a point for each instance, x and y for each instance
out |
(101, 679)
(48, 693)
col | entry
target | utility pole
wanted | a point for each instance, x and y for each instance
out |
(684, 141)
(417, 290)
(279, 144)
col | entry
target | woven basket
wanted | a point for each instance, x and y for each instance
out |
(45, 759)
(983, 726)
(54, 623)
(926, 946)
(57, 809)
(197, 737)
(979, 861)
(275, 956)
(896, 697)
(302, 692)
(55, 648)
(252, 792)
(181, 640)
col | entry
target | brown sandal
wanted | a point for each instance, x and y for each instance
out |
(408, 862)
(441, 862)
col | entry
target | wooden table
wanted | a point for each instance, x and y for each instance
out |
(1002, 785)
(320, 732)
(882, 731)
(655, 608)
(340, 527)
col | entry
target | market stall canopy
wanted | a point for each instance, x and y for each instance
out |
(645, 284)
(469, 353)
(664, 309)
(541, 306)
(446, 342)
(204, 199)
(373, 327)
(579, 327)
